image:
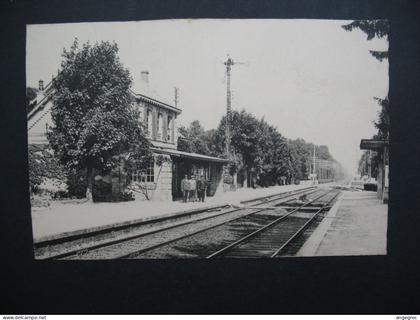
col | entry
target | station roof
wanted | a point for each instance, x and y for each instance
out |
(155, 101)
(372, 144)
(189, 155)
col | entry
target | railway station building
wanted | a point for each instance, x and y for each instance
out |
(161, 180)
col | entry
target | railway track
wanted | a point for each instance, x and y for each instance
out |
(264, 233)
(272, 239)
(121, 243)
(256, 234)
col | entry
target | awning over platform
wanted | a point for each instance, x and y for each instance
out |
(188, 155)
(372, 144)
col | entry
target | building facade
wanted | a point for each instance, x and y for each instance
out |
(161, 180)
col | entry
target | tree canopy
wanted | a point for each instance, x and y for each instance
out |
(373, 29)
(194, 139)
(256, 146)
(93, 115)
(382, 123)
(376, 29)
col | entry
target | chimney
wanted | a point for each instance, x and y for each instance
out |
(145, 77)
(41, 85)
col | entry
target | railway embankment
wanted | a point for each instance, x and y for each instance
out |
(355, 225)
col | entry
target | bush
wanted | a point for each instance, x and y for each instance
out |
(77, 184)
(61, 194)
(43, 166)
(127, 196)
(102, 192)
(122, 196)
(36, 171)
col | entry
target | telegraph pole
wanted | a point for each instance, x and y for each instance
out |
(228, 63)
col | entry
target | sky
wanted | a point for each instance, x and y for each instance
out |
(309, 78)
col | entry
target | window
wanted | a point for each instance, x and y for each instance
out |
(169, 130)
(141, 111)
(145, 175)
(159, 129)
(201, 171)
(149, 122)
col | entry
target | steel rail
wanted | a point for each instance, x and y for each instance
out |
(124, 239)
(80, 251)
(258, 231)
(140, 251)
(123, 226)
(298, 232)
(274, 195)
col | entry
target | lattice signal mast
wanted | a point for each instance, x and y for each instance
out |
(229, 63)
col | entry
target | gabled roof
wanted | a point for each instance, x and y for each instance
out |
(155, 102)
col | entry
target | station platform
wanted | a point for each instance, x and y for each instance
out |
(63, 218)
(355, 225)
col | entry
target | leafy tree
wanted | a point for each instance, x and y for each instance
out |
(322, 152)
(373, 29)
(244, 139)
(382, 124)
(376, 29)
(302, 153)
(194, 139)
(298, 156)
(274, 155)
(43, 165)
(209, 137)
(36, 171)
(96, 126)
(256, 146)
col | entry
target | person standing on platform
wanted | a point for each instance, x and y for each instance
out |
(193, 189)
(201, 187)
(185, 188)
(189, 188)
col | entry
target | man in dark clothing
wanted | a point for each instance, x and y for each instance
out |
(201, 188)
(193, 188)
